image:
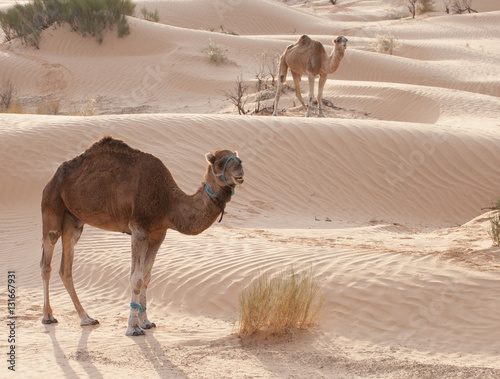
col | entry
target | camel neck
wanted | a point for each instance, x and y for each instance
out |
(336, 58)
(192, 214)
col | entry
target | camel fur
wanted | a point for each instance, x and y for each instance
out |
(309, 57)
(114, 187)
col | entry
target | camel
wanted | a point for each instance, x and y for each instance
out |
(309, 57)
(114, 187)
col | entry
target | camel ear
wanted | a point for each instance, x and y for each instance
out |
(210, 158)
(236, 154)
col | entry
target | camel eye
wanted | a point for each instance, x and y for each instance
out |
(220, 164)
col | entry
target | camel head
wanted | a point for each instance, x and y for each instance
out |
(226, 166)
(340, 42)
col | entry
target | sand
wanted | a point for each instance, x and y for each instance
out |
(383, 199)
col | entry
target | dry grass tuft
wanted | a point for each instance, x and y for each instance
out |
(495, 226)
(280, 304)
(385, 43)
(216, 53)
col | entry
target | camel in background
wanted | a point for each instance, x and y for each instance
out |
(114, 187)
(309, 57)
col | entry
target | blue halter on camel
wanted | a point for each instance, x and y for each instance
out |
(209, 190)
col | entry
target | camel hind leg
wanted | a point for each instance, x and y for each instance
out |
(283, 69)
(52, 225)
(72, 229)
(296, 81)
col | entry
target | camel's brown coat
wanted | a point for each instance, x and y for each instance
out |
(114, 187)
(309, 57)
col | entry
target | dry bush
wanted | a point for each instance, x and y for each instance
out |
(385, 43)
(462, 6)
(216, 53)
(495, 225)
(265, 85)
(7, 92)
(239, 96)
(426, 6)
(412, 6)
(48, 107)
(280, 304)
(89, 108)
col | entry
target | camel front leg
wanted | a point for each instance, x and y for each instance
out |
(139, 251)
(48, 244)
(311, 94)
(155, 242)
(321, 85)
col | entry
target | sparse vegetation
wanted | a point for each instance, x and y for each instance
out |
(150, 16)
(280, 304)
(426, 6)
(216, 53)
(26, 21)
(239, 96)
(385, 43)
(48, 107)
(462, 6)
(412, 6)
(265, 84)
(495, 225)
(89, 108)
(7, 92)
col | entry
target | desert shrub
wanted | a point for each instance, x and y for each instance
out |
(48, 107)
(495, 229)
(26, 21)
(239, 96)
(94, 16)
(426, 6)
(7, 92)
(150, 16)
(89, 108)
(279, 304)
(216, 53)
(412, 6)
(462, 6)
(495, 224)
(385, 43)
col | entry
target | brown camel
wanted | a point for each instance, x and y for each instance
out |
(309, 57)
(114, 187)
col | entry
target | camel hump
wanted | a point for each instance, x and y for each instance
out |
(110, 143)
(304, 40)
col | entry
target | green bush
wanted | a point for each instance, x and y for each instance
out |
(84, 16)
(150, 16)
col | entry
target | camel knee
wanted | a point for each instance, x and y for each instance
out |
(136, 285)
(54, 236)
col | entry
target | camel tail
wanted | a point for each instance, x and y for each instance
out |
(283, 67)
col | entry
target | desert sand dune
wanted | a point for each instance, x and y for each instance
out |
(383, 199)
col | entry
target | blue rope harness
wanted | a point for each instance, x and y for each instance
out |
(135, 305)
(211, 193)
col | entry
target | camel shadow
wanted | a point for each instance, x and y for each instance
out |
(153, 352)
(81, 355)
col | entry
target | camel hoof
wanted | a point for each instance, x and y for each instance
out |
(148, 325)
(275, 113)
(89, 321)
(48, 321)
(136, 331)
